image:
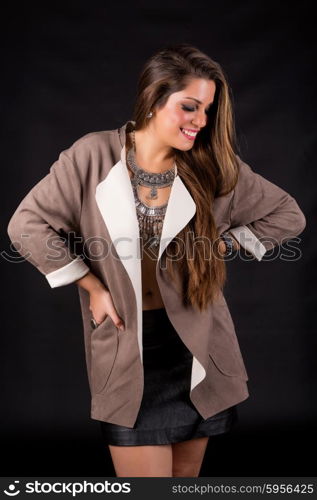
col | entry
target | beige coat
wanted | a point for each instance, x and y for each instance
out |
(88, 195)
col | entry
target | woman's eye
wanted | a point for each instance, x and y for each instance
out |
(186, 108)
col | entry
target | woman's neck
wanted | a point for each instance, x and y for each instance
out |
(149, 155)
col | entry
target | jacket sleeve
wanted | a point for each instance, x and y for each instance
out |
(50, 211)
(262, 215)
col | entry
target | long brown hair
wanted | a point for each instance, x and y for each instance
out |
(209, 169)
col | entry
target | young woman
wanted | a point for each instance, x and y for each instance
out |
(156, 206)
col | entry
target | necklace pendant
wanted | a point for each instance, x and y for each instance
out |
(153, 194)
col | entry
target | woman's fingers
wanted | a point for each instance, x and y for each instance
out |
(101, 306)
(113, 314)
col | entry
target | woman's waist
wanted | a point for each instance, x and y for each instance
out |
(158, 330)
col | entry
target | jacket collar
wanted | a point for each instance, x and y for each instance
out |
(180, 208)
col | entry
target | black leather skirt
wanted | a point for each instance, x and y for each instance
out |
(167, 414)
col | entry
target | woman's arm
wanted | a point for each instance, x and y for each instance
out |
(262, 214)
(47, 213)
(90, 283)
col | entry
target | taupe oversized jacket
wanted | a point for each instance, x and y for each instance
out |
(88, 194)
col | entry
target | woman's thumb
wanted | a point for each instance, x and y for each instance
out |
(119, 323)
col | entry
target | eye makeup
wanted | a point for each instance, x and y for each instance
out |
(187, 108)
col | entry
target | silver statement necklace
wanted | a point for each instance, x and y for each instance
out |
(150, 218)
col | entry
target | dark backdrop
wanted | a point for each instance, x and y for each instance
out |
(72, 69)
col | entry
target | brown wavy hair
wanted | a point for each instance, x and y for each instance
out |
(209, 169)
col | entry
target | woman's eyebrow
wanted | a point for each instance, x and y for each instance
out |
(197, 100)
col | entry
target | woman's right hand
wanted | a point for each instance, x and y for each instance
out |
(101, 305)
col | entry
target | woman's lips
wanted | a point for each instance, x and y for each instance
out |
(189, 137)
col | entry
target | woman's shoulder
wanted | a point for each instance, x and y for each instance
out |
(96, 138)
(93, 146)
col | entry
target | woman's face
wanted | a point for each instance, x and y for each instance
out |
(185, 111)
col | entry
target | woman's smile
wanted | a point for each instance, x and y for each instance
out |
(189, 134)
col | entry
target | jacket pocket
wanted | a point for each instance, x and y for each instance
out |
(104, 349)
(224, 349)
(229, 364)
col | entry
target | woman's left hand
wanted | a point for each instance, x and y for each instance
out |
(222, 245)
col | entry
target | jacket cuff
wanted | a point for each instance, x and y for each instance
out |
(248, 241)
(68, 274)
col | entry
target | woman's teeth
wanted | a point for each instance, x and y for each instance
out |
(190, 135)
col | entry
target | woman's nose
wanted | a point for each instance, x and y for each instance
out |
(199, 120)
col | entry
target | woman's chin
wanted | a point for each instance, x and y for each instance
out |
(182, 147)
(186, 147)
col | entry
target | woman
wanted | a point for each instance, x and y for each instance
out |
(142, 219)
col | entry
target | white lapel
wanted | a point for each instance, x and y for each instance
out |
(115, 200)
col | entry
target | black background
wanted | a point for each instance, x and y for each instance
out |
(72, 69)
